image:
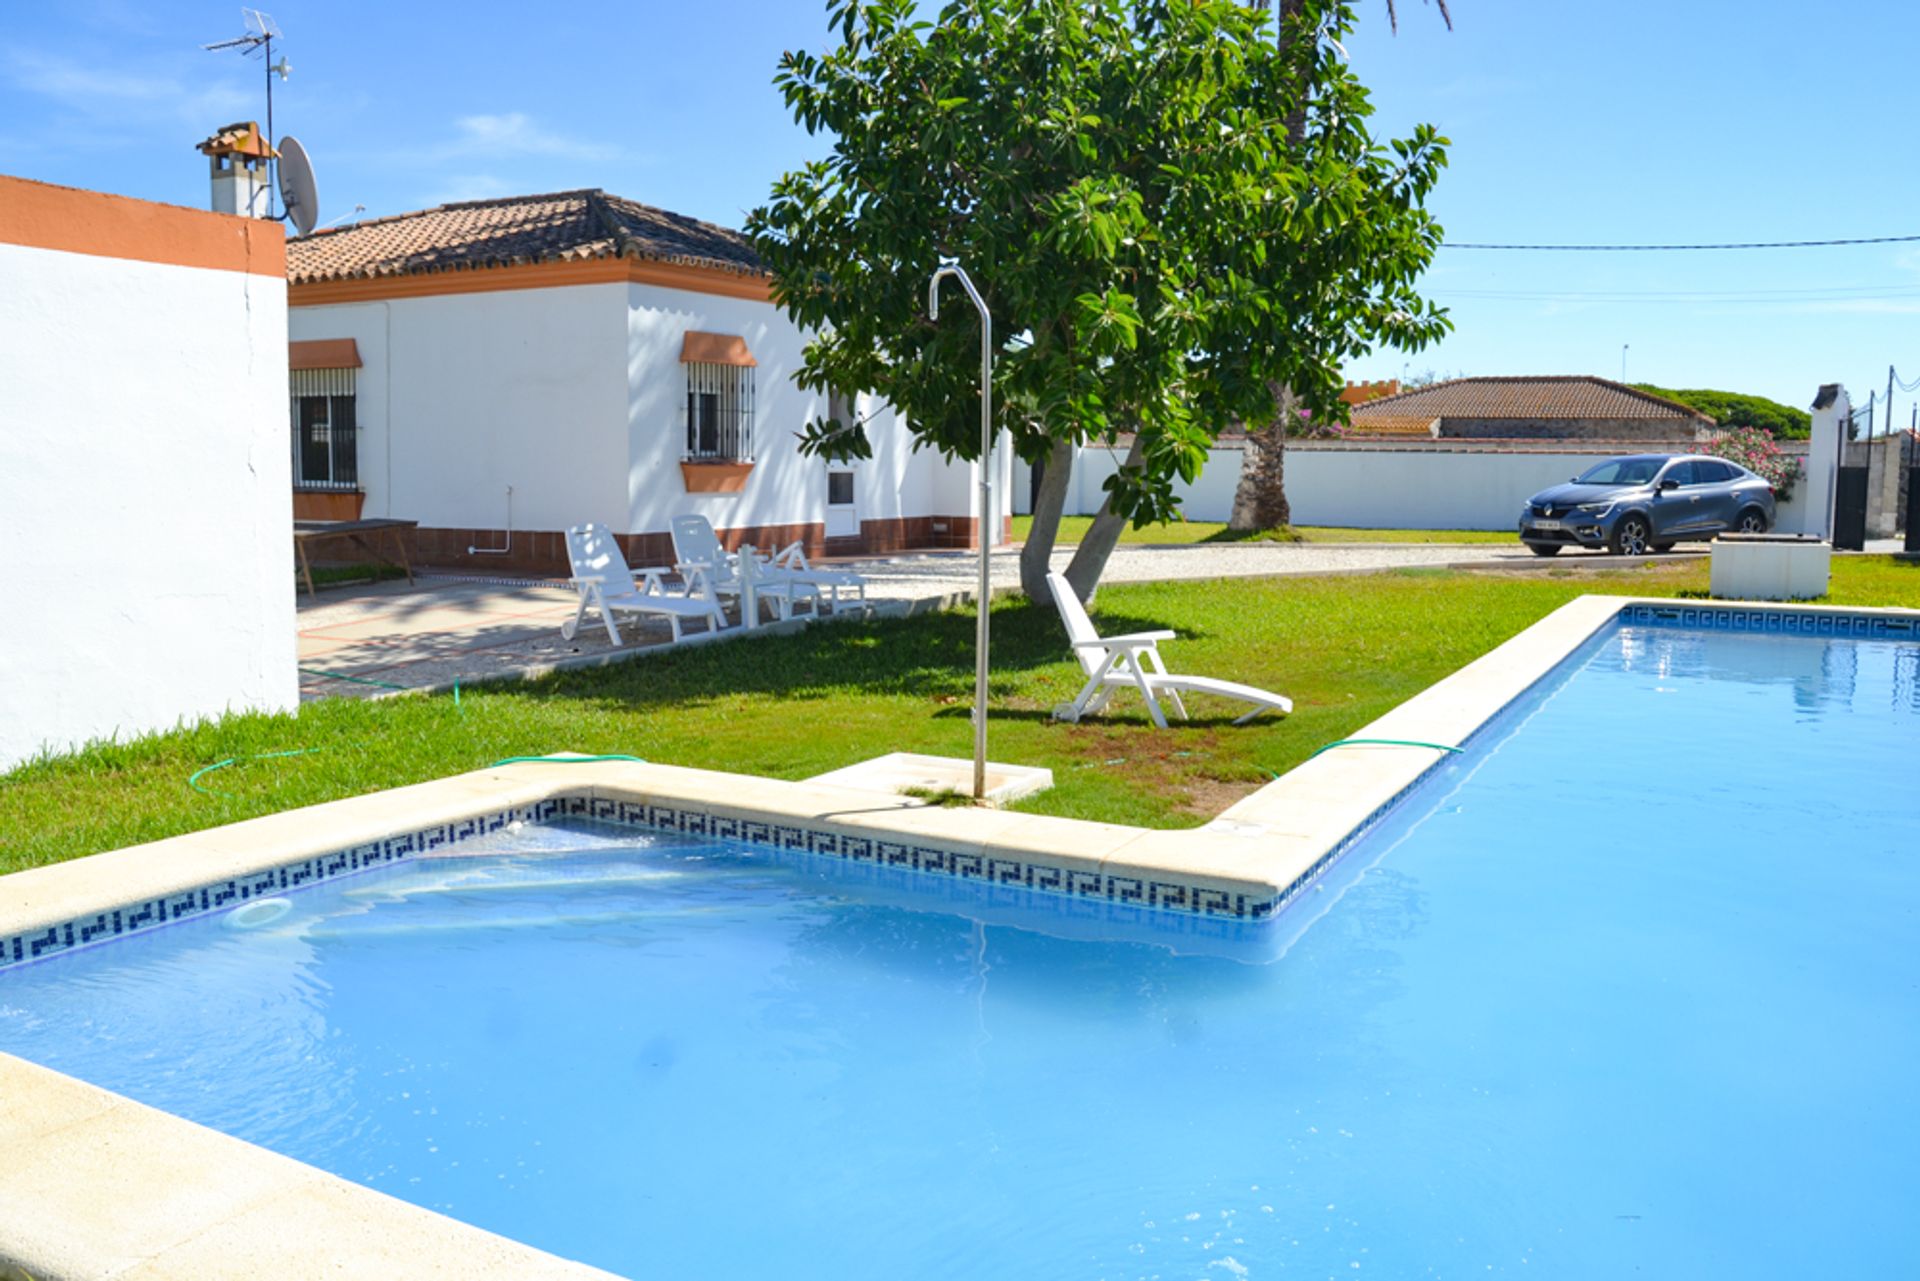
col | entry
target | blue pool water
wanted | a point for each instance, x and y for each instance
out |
(1629, 989)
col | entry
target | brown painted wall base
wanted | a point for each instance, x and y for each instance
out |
(327, 504)
(544, 552)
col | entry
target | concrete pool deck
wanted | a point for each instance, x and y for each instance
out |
(91, 1165)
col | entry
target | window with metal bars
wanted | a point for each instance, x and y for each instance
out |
(719, 413)
(326, 447)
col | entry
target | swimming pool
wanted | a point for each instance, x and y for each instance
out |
(1629, 985)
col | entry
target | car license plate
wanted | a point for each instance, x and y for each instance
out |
(1547, 524)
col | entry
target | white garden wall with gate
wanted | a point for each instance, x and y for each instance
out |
(146, 567)
(1373, 487)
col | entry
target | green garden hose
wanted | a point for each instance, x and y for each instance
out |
(193, 780)
(566, 760)
(1384, 742)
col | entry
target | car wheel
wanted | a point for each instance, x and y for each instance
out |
(1752, 521)
(1544, 549)
(1631, 537)
(1664, 548)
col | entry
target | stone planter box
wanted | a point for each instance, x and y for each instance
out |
(1770, 567)
(715, 478)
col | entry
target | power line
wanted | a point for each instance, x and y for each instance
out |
(1744, 244)
(1814, 294)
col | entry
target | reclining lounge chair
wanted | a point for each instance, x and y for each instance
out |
(601, 576)
(1114, 663)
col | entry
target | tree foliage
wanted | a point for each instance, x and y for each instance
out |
(1116, 177)
(1733, 409)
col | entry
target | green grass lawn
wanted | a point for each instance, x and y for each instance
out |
(1345, 649)
(1074, 528)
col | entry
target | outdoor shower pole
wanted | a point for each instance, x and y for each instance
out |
(952, 267)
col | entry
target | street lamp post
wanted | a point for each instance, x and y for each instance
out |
(952, 267)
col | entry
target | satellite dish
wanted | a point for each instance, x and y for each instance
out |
(297, 189)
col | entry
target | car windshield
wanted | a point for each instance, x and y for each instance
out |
(1622, 471)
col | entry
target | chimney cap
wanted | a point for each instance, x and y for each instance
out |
(240, 139)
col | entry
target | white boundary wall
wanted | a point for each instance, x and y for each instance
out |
(1375, 487)
(145, 497)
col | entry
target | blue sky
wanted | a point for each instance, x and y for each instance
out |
(1625, 121)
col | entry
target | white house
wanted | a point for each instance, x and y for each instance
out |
(499, 370)
(143, 468)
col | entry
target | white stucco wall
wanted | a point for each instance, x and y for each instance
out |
(1371, 488)
(146, 561)
(574, 395)
(460, 395)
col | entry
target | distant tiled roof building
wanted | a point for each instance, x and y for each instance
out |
(567, 226)
(1561, 407)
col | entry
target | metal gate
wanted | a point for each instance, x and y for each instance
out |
(1850, 509)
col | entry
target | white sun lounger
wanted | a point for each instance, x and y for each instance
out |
(1114, 663)
(792, 560)
(601, 576)
(696, 549)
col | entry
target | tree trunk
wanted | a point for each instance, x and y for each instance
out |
(1260, 499)
(1048, 505)
(1083, 572)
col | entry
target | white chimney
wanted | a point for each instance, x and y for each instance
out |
(238, 157)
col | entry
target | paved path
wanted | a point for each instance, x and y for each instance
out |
(447, 628)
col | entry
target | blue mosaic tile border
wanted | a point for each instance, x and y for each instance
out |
(1784, 622)
(219, 896)
(880, 851)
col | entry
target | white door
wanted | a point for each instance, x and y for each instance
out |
(843, 513)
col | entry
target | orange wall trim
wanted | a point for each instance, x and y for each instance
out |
(39, 215)
(532, 275)
(323, 353)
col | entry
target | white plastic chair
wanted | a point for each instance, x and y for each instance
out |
(1114, 663)
(601, 576)
(792, 560)
(697, 550)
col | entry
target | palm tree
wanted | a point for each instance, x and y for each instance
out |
(1260, 499)
(1393, 19)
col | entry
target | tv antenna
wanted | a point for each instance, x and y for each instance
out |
(262, 31)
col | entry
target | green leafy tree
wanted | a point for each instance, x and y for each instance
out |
(1736, 409)
(1118, 178)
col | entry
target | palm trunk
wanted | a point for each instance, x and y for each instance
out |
(1036, 558)
(1260, 499)
(1083, 572)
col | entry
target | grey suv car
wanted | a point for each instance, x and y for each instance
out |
(1647, 502)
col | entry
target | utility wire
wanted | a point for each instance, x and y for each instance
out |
(1743, 244)
(1818, 294)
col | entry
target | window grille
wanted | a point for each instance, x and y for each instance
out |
(719, 413)
(326, 450)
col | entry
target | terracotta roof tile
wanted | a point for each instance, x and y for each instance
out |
(567, 225)
(1560, 396)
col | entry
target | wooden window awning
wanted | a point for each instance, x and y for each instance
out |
(323, 353)
(715, 349)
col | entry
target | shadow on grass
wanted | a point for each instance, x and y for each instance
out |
(929, 656)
